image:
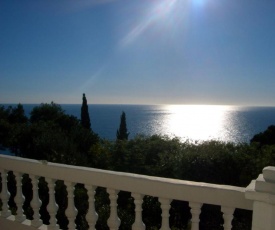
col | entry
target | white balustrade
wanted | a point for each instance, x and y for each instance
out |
(195, 211)
(91, 216)
(259, 193)
(138, 224)
(5, 195)
(71, 211)
(52, 206)
(113, 221)
(35, 203)
(227, 217)
(165, 207)
(19, 198)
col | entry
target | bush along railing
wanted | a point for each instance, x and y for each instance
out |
(59, 196)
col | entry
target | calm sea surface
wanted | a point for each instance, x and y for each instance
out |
(193, 122)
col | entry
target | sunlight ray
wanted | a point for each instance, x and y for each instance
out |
(156, 13)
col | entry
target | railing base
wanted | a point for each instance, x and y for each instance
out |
(10, 224)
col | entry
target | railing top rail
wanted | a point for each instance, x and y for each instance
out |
(224, 195)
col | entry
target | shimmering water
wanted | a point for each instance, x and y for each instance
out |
(194, 122)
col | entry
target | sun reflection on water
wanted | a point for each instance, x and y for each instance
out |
(197, 122)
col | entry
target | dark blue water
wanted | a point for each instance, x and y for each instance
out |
(225, 123)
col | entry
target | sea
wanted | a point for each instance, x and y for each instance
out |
(194, 123)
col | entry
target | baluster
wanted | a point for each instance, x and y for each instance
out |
(5, 195)
(71, 211)
(19, 198)
(113, 221)
(138, 225)
(195, 211)
(35, 203)
(52, 206)
(165, 207)
(91, 216)
(227, 217)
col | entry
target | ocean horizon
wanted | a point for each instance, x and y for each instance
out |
(187, 122)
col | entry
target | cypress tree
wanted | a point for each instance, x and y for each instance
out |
(122, 133)
(85, 118)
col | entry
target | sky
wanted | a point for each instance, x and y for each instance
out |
(138, 51)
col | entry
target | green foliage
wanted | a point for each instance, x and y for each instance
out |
(5, 127)
(13, 115)
(151, 212)
(122, 133)
(81, 203)
(209, 161)
(46, 112)
(5, 132)
(102, 207)
(85, 118)
(126, 210)
(4, 113)
(265, 138)
(51, 135)
(10, 119)
(99, 155)
(17, 115)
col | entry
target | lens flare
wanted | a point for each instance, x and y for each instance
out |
(162, 10)
(165, 14)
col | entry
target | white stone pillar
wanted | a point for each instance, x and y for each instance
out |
(19, 198)
(91, 216)
(262, 192)
(71, 211)
(5, 195)
(36, 202)
(113, 221)
(195, 211)
(165, 207)
(138, 225)
(52, 206)
(227, 217)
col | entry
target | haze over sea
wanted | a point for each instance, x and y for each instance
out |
(193, 122)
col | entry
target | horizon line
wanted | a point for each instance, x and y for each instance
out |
(143, 104)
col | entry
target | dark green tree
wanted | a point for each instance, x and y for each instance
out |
(122, 133)
(5, 126)
(11, 119)
(46, 112)
(51, 134)
(17, 115)
(265, 138)
(85, 118)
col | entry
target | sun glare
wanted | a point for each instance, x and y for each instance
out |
(200, 122)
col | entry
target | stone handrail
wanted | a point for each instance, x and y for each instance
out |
(196, 193)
